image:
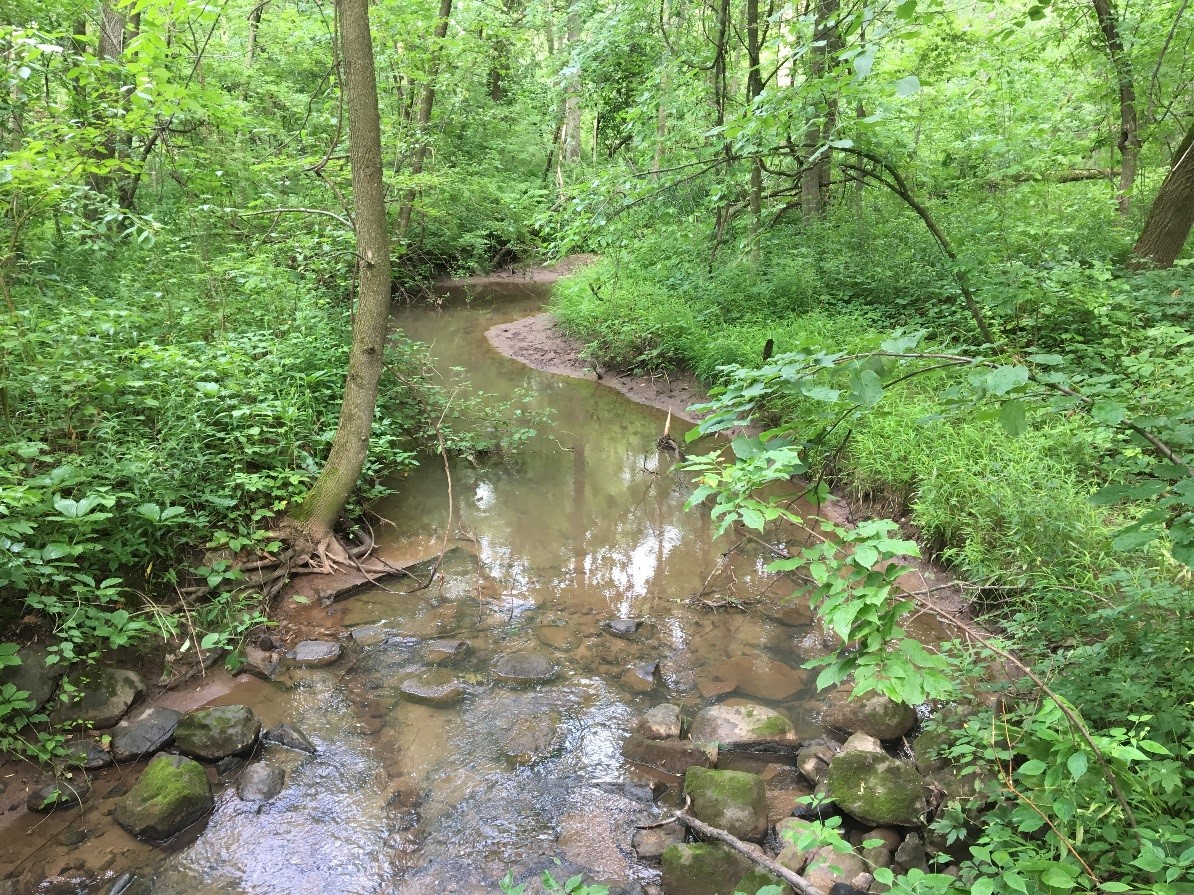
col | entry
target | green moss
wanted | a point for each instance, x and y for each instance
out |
(758, 879)
(166, 782)
(701, 869)
(732, 800)
(877, 789)
(774, 726)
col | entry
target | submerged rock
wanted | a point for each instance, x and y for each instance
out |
(314, 653)
(106, 695)
(60, 794)
(523, 668)
(734, 801)
(149, 731)
(447, 652)
(216, 732)
(642, 678)
(437, 688)
(33, 675)
(533, 739)
(877, 789)
(702, 869)
(754, 676)
(291, 738)
(871, 713)
(87, 754)
(660, 723)
(260, 782)
(742, 726)
(669, 756)
(170, 795)
(625, 628)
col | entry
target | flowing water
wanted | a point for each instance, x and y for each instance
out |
(586, 525)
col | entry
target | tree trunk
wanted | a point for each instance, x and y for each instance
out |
(754, 86)
(1170, 218)
(572, 94)
(1129, 137)
(318, 513)
(254, 24)
(426, 103)
(814, 180)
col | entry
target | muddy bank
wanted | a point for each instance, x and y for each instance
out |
(525, 273)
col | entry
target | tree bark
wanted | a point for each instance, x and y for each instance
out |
(814, 180)
(317, 514)
(1129, 136)
(571, 136)
(754, 86)
(423, 121)
(254, 24)
(1169, 220)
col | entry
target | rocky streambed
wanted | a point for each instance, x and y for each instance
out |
(587, 660)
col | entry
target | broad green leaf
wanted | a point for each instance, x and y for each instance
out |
(1013, 418)
(1078, 764)
(907, 86)
(1109, 413)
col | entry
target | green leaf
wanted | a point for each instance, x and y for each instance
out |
(1033, 768)
(1013, 418)
(983, 886)
(1057, 878)
(1109, 413)
(909, 86)
(906, 10)
(1133, 538)
(1078, 764)
(867, 387)
(1002, 380)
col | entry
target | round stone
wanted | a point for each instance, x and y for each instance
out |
(435, 688)
(523, 668)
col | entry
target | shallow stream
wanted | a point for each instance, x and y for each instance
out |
(587, 525)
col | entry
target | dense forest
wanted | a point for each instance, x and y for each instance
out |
(928, 255)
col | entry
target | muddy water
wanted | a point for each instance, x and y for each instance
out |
(585, 526)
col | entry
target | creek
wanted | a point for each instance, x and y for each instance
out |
(585, 526)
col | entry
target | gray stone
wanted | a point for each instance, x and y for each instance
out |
(862, 742)
(106, 695)
(734, 801)
(261, 663)
(216, 732)
(911, 853)
(314, 653)
(813, 761)
(446, 652)
(871, 713)
(626, 628)
(60, 794)
(789, 831)
(369, 635)
(660, 723)
(170, 795)
(651, 843)
(702, 869)
(260, 782)
(877, 789)
(533, 739)
(33, 675)
(742, 726)
(642, 678)
(672, 757)
(144, 734)
(86, 754)
(828, 868)
(291, 738)
(437, 688)
(522, 668)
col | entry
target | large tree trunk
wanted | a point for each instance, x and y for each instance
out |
(423, 121)
(571, 136)
(754, 86)
(318, 513)
(1172, 214)
(254, 24)
(814, 180)
(1129, 136)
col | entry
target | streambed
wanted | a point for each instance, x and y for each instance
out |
(586, 526)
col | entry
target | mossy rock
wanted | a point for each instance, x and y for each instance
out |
(217, 732)
(702, 869)
(734, 801)
(170, 795)
(758, 879)
(742, 725)
(877, 789)
(871, 713)
(104, 698)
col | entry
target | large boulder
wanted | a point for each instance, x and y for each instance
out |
(106, 695)
(33, 675)
(871, 713)
(877, 789)
(703, 869)
(170, 795)
(671, 756)
(734, 801)
(144, 734)
(217, 732)
(742, 726)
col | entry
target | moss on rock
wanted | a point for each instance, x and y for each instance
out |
(701, 869)
(758, 879)
(171, 794)
(734, 801)
(877, 789)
